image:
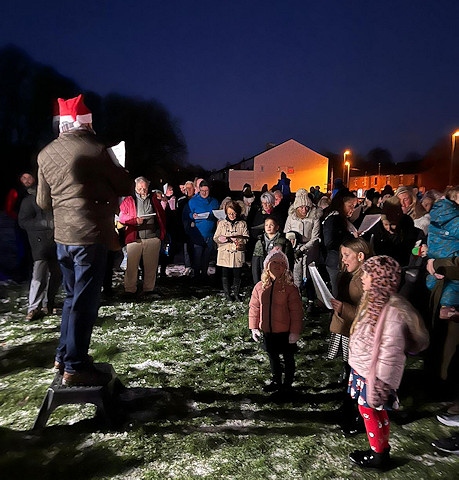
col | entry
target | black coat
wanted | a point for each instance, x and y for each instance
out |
(39, 226)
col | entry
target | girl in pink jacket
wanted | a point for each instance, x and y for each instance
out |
(276, 311)
(385, 329)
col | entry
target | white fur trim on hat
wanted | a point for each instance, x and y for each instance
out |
(278, 253)
(73, 113)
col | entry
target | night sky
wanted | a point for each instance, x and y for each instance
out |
(333, 75)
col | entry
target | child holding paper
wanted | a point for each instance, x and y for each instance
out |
(353, 253)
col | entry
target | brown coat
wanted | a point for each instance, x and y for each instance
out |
(227, 254)
(79, 180)
(350, 293)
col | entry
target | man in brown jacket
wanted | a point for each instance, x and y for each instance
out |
(79, 180)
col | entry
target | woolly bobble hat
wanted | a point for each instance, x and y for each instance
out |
(302, 199)
(73, 113)
(277, 254)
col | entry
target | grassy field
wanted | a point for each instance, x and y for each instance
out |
(193, 407)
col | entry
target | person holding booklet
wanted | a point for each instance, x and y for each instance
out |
(202, 228)
(145, 222)
(231, 237)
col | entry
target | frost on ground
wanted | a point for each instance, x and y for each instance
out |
(193, 406)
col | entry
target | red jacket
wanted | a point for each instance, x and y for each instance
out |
(128, 216)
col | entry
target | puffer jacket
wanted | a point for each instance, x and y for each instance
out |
(227, 254)
(276, 309)
(79, 180)
(308, 227)
(379, 350)
(443, 238)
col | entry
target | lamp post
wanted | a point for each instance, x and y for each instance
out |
(453, 147)
(348, 165)
(345, 164)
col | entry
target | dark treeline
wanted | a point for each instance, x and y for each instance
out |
(155, 146)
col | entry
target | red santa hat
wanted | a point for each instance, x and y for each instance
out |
(73, 113)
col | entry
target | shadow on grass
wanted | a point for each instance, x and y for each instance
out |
(56, 453)
(29, 355)
(144, 405)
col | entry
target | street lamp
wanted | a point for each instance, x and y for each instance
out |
(453, 147)
(345, 154)
(348, 165)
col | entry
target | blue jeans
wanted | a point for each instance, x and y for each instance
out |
(83, 268)
(202, 255)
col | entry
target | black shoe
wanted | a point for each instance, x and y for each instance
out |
(353, 427)
(370, 459)
(271, 387)
(129, 296)
(448, 445)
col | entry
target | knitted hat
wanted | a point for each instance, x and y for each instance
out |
(302, 199)
(385, 271)
(73, 113)
(278, 254)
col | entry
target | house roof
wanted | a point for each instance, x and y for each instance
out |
(232, 166)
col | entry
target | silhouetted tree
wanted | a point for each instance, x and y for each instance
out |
(378, 159)
(155, 146)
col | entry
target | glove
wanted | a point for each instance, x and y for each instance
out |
(293, 338)
(256, 334)
(298, 254)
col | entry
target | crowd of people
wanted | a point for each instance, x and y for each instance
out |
(389, 260)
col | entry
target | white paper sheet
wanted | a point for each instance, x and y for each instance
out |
(369, 221)
(323, 294)
(118, 153)
(219, 214)
(202, 216)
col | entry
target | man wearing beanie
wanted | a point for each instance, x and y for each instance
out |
(81, 183)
